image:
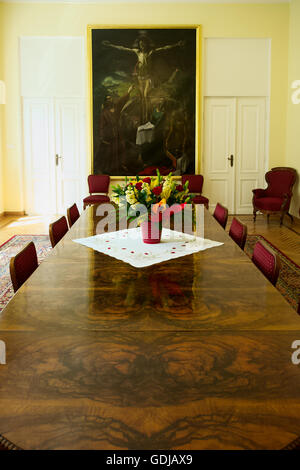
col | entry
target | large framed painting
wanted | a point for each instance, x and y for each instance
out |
(144, 93)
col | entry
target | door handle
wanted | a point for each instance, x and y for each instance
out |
(231, 160)
(57, 157)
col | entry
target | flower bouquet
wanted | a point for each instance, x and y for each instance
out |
(150, 200)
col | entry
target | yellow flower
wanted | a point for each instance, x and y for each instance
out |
(115, 199)
(146, 187)
(167, 188)
(154, 183)
(130, 196)
(166, 192)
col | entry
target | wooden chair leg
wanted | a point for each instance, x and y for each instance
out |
(290, 215)
(254, 215)
(281, 219)
(268, 218)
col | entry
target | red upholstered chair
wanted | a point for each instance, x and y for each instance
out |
(97, 184)
(276, 198)
(267, 261)
(195, 187)
(221, 214)
(151, 171)
(72, 214)
(23, 265)
(57, 230)
(238, 232)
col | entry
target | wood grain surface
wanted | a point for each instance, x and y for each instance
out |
(193, 353)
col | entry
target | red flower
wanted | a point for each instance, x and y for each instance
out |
(179, 187)
(157, 190)
(139, 185)
(147, 180)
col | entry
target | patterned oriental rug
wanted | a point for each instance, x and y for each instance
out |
(11, 248)
(288, 282)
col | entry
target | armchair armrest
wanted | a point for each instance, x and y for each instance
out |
(259, 192)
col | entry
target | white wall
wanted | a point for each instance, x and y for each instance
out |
(237, 67)
(58, 64)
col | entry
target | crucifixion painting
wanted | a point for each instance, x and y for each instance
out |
(144, 101)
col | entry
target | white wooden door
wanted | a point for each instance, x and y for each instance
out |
(70, 152)
(250, 151)
(219, 145)
(39, 151)
(55, 155)
(234, 151)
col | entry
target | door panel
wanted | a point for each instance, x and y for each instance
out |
(250, 152)
(39, 149)
(219, 144)
(70, 148)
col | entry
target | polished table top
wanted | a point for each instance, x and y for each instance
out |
(192, 353)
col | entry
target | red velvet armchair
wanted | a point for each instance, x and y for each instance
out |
(276, 198)
(195, 186)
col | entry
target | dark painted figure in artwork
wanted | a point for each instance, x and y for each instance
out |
(144, 96)
(111, 149)
(143, 48)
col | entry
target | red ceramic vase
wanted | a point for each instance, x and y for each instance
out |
(151, 231)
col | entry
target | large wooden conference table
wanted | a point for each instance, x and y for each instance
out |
(192, 353)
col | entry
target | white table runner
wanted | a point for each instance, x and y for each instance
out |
(128, 246)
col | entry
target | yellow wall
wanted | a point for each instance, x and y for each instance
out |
(1, 126)
(293, 116)
(217, 20)
(1, 162)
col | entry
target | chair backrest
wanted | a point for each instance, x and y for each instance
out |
(57, 230)
(280, 181)
(98, 183)
(195, 183)
(221, 214)
(238, 232)
(23, 265)
(267, 261)
(72, 214)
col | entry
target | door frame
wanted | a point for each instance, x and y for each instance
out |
(52, 140)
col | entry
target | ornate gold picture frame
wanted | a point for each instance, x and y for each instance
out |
(144, 99)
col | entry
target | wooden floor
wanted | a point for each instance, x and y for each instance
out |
(285, 238)
(35, 225)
